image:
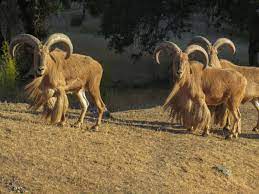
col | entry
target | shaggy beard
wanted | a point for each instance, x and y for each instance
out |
(53, 107)
(189, 112)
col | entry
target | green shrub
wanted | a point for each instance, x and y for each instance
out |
(8, 73)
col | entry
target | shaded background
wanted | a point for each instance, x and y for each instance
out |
(122, 34)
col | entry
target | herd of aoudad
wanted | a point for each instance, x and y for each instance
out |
(205, 90)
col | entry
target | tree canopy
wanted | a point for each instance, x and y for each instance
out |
(144, 23)
(132, 22)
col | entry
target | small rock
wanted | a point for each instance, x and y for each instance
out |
(222, 169)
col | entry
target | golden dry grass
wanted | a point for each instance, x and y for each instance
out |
(138, 152)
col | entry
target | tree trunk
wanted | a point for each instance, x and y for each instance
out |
(1, 42)
(253, 34)
(253, 51)
(84, 9)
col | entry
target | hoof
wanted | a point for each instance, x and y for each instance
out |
(236, 135)
(61, 124)
(191, 130)
(95, 128)
(229, 137)
(205, 134)
(225, 129)
(255, 129)
(77, 125)
(85, 129)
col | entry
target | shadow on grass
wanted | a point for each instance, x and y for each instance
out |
(218, 131)
(250, 136)
(165, 126)
(20, 119)
(223, 133)
(27, 111)
(150, 125)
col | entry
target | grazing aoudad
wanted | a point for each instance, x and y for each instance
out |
(197, 86)
(250, 73)
(59, 73)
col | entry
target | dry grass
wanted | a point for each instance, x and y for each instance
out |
(137, 151)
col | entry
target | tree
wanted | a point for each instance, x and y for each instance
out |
(243, 15)
(144, 23)
(34, 14)
(29, 15)
(9, 17)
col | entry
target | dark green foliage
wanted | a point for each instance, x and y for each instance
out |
(237, 13)
(141, 23)
(8, 73)
(31, 13)
(144, 23)
(34, 14)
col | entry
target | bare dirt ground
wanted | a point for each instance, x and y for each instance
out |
(136, 152)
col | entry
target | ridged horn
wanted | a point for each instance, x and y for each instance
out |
(167, 45)
(200, 40)
(225, 41)
(193, 48)
(60, 38)
(23, 38)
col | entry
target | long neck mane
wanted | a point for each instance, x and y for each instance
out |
(184, 102)
(55, 70)
(214, 61)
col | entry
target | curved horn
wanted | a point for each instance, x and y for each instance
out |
(167, 45)
(221, 41)
(192, 48)
(23, 38)
(200, 40)
(59, 37)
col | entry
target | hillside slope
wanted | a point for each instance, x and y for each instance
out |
(137, 151)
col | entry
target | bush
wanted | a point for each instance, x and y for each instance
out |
(8, 73)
